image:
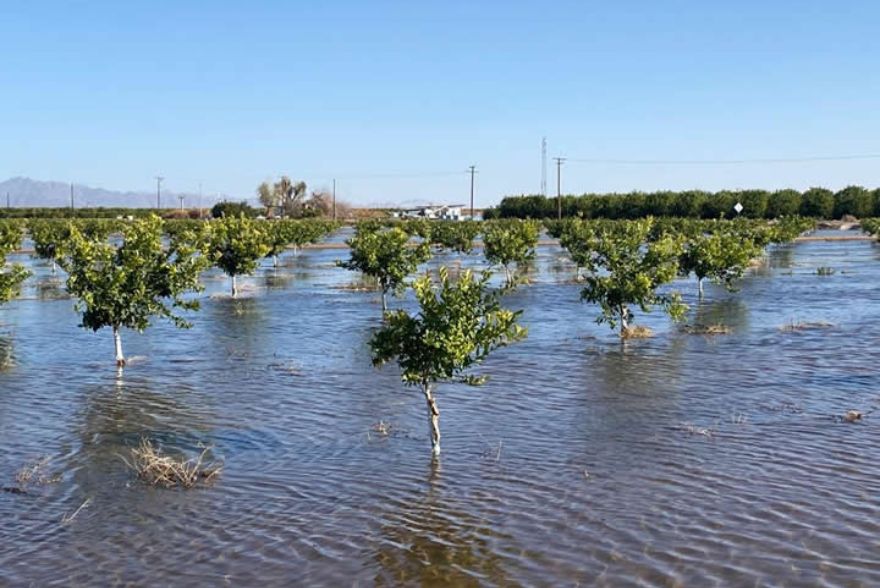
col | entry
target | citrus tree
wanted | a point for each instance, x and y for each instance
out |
(11, 275)
(236, 245)
(721, 256)
(456, 236)
(625, 269)
(126, 285)
(459, 323)
(48, 235)
(386, 255)
(510, 242)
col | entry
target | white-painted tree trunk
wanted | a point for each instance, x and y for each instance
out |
(433, 419)
(275, 261)
(54, 267)
(624, 319)
(234, 287)
(384, 301)
(700, 282)
(117, 341)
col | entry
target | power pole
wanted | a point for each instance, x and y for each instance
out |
(559, 161)
(473, 170)
(7, 201)
(334, 200)
(181, 197)
(71, 197)
(200, 200)
(544, 167)
(159, 192)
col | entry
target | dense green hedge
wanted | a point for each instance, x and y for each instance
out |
(815, 202)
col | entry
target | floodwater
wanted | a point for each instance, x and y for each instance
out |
(679, 460)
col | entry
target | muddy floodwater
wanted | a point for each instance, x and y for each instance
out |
(679, 460)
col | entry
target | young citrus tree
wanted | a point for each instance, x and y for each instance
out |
(510, 242)
(48, 236)
(11, 276)
(458, 325)
(457, 236)
(625, 269)
(386, 255)
(236, 245)
(129, 284)
(722, 256)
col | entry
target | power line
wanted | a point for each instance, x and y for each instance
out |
(726, 161)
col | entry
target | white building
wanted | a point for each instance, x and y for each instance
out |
(433, 211)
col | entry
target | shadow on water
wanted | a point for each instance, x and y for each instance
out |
(431, 541)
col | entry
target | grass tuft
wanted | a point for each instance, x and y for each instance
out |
(165, 471)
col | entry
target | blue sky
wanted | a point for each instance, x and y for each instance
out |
(396, 99)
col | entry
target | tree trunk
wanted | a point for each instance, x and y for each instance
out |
(700, 283)
(507, 273)
(234, 287)
(117, 341)
(624, 319)
(384, 301)
(275, 261)
(54, 268)
(433, 419)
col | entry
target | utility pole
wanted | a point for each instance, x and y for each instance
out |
(159, 192)
(544, 167)
(200, 200)
(71, 197)
(181, 197)
(7, 201)
(473, 170)
(334, 200)
(559, 161)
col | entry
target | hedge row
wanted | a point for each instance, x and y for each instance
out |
(815, 203)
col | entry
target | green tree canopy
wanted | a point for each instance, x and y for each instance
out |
(510, 242)
(625, 268)
(129, 284)
(387, 255)
(11, 275)
(458, 325)
(236, 245)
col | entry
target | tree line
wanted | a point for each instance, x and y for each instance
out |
(822, 203)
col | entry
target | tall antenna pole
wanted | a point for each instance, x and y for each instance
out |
(559, 161)
(473, 170)
(181, 197)
(7, 201)
(544, 166)
(71, 196)
(200, 200)
(159, 192)
(334, 200)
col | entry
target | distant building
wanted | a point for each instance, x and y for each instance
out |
(433, 211)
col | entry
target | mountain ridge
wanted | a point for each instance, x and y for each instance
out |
(24, 192)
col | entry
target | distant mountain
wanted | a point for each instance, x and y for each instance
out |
(25, 192)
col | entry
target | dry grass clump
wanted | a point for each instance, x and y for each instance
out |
(36, 473)
(636, 332)
(716, 329)
(794, 327)
(165, 471)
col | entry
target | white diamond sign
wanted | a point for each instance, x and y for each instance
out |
(738, 207)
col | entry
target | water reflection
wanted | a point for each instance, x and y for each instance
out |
(433, 541)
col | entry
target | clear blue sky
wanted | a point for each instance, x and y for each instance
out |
(230, 93)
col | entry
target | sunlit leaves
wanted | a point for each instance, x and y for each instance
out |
(126, 285)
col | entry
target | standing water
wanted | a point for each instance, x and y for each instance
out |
(682, 459)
